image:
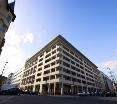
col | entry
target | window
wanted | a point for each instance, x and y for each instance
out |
(73, 62)
(48, 60)
(81, 63)
(45, 78)
(39, 69)
(76, 55)
(81, 67)
(58, 62)
(53, 57)
(65, 58)
(77, 60)
(77, 65)
(48, 55)
(38, 80)
(82, 76)
(59, 49)
(47, 72)
(72, 52)
(53, 70)
(46, 66)
(66, 64)
(84, 82)
(53, 52)
(73, 73)
(40, 64)
(72, 67)
(59, 55)
(74, 79)
(85, 62)
(39, 74)
(67, 77)
(52, 77)
(66, 70)
(80, 59)
(78, 80)
(53, 63)
(66, 53)
(58, 68)
(82, 72)
(40, 59)
(58, 76)
(78, 70)
(48, 50)
(66, 48)
(41, 55)
(53, 47)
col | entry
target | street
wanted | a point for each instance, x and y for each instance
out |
(56, 100)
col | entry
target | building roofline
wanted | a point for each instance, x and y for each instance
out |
(12, 11)
(59, 37)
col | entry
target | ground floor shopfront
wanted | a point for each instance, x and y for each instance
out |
(60, 88)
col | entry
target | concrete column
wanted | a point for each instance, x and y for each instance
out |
(61, 88)
(34, 88)
(48, 88)
(54, 88)
(40, 88)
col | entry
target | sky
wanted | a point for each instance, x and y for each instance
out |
(90, 25)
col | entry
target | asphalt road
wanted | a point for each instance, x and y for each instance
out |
(56, 100)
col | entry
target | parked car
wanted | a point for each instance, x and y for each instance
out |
(12, 91)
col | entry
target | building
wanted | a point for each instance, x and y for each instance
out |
(59, 68)
(107, 83)
(17, 77)
(13, 80)
(7, 85)
(2, 80)
(6, 17)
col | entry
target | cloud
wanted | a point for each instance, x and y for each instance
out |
(28, 38)
(111, 64)
(13, 51)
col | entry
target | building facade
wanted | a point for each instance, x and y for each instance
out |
(13, 80)
(2, 80)
(17, 77)
(7, 85)
(59, 68)
(6, 17)
(107, 83)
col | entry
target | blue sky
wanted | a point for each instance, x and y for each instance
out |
(90, 25)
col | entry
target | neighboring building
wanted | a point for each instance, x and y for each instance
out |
(2, 80)
(59, 68)
(7, 85)
(6, 17)
(17, 77)
(13, 80)
(107, 83)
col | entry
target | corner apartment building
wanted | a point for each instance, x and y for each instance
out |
(6, 17)
(59, 68)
